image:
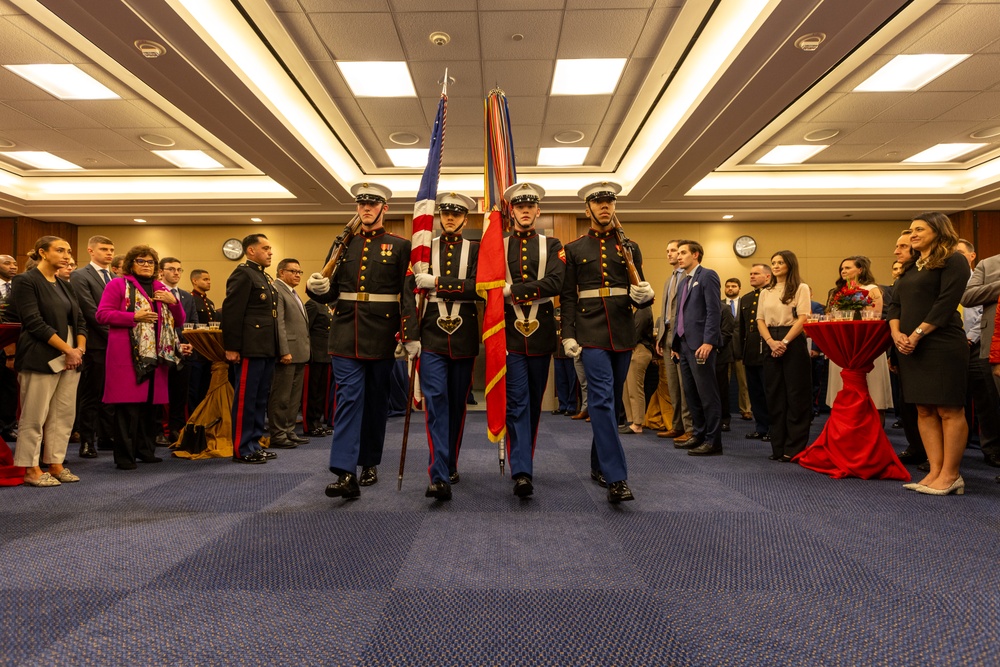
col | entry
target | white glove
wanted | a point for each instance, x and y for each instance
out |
(412, 348)
(571, 347)
(400, 352)
(506, 290)
(641, 293)
(317, 284)
(425, 281)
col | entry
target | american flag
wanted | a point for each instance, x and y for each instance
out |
(423, 209)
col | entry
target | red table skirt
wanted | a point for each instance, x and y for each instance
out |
(853, 442)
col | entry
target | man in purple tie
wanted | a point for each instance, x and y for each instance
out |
(732, 300)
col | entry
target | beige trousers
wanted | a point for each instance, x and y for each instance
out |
(741, 380)
(633, 394)
(48, 405)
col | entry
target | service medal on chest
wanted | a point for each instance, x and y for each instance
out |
(449, 325)
(526, 326)
(386, 250)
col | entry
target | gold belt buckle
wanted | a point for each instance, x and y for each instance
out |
(605, 291)
(362, 296)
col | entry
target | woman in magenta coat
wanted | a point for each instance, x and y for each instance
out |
(141, 314)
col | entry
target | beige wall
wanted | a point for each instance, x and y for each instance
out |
(819, 246)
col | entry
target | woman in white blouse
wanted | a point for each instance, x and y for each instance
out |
(782, 311)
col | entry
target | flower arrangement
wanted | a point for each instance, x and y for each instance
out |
(851, 297)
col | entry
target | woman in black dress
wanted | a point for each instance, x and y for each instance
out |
(933, 351)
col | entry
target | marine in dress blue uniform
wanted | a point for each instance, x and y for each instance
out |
(449, 340)
(250, 338)
(597, 305)
(535, 268)
(372, 306)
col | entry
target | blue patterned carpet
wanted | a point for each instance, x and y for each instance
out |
(724, 561)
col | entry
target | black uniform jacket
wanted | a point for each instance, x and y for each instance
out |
(320, 321)
(464, 341)
(250, 312)
(594, 261)
(205, 308)
(376, 262)
(42, 314)
(751, 348)
(727, 331)
(522, 263)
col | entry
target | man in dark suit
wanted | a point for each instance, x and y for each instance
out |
(696, 343)
(752, 351)
(318, 372)
(95, 417)
(293, 354)
(8, 378)
(180, 375)
(201, 370)
(250, 338)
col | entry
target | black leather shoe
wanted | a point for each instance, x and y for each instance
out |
(558, 412)
(127, 465)
(754, 436)
(619, 492)
(897, 424)
(598, 477)
(368, 476)
(254, 457)
(786, 458)
(706, 449)
(297, 439)
(9, 435)
(345, 487)
(282, 444)
(993, 461)
(268, 455)
(439, 491)
(161, 440)
(725, 427)
(522, 486)
(87, 450)
(149, 459)
(766, 437)
(910, 456)
(690, 444)
(454, 477)
(924, 467)
(774, 457)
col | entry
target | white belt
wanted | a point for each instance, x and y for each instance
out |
(602, 292)
(365, 296)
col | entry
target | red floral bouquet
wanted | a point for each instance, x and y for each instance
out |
(851, 297)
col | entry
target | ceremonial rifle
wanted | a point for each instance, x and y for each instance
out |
(623, 243)
(339, 250)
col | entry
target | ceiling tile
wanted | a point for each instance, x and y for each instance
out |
(934, 17)
(605, 135)
(55, 114)
(868, 133)
(608, 4)
(941, 132)
(923, 106)
(839, 154)
(577, 110)
(442, 6)
(329, 75)
(519, 78)
(7, 7)
(352, 112)
(285, 5)
(13, 87)
(147, 160)
(461, 111)
(19, 48)
(340, 32)
(526, 110)
(655, 32)
(54, 141)
(549, 131)
(123, 113)
(580, 27)
(966, 31)
(526, 135)
(595, 156)
(301, 30)
(62, 51)
(977, 107)
(619, 107)
(466, 73)
(519, 5)
(92, 159)
(856, 107)
(381, 111)
(11, 119)
(539, 28)
(979, 72)
(421, 131)
(415, 30)
(345, 6)
(183, 139)
(463, 157)
(459, 136)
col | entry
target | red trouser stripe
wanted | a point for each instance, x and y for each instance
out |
(241, 401)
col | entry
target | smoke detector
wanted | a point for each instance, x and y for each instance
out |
(149, 48)
(810, 42)
(439, 38)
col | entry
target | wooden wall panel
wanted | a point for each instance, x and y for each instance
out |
(7, 236)
(29, 230)
(987, 233)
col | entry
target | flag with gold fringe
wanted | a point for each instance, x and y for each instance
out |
(499, 173)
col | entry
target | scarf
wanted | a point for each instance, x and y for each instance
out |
(149, 346)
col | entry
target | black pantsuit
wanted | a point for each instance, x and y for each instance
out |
(788, 384)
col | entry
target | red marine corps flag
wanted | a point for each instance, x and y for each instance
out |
(500, 173)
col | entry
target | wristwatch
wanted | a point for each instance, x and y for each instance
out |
(918, 331)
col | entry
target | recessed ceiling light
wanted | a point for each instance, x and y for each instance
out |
(987, 133)
(403, 138)
(157, 140)
(910, 72)
(728, 216)
(138, 219)
(190, 159)
(569, 137)
(378, 79)
(40, 160)
(408, 157)
(562, 156)
(256, 220)
(516, 37)
(792, 154)
(943, 152)
(821, 135)
(67, 82)
(587, 76)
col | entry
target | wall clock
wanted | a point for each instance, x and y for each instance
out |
(744, 246)
(232, 249)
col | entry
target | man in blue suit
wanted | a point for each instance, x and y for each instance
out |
(696, 343)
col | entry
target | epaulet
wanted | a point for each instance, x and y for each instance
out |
(397, 236)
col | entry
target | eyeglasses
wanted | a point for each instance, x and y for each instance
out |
(173, 268)
(146, 262)
(294, 272)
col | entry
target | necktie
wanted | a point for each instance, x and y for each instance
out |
(680, 306)
(107, 276)
(177, 295)
(732, 306)
(6, 290)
